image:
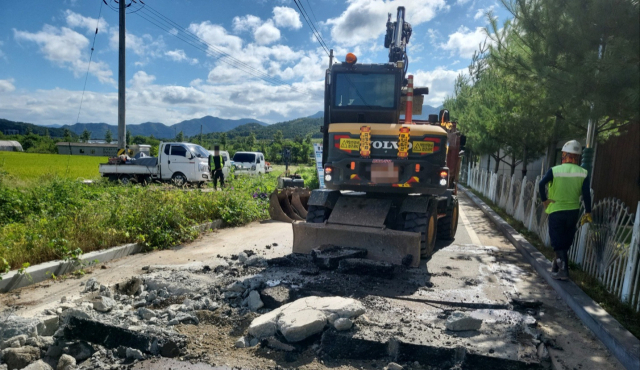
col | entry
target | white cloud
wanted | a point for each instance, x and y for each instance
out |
(75, 20)
(286, 17)
(365, 20)
(462, 2)
(247, 23)
(217, 36)
(482, 12)
(66, 48)
(440, 82)
(464, 41)
(179, 56)
(6, 86)
(267, 33)
(145, 46)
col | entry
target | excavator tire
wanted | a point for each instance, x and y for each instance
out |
(448, 225)
(317, 214)
(426, 225)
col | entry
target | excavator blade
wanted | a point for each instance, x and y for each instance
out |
(280, 207)
(396, 247)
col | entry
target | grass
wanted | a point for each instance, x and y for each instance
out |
(31, 166)
(59, 218)
(621, 311)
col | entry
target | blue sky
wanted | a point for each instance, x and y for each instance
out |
(45, 48)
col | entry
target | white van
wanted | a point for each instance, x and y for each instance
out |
(249, 163)
(227, 162)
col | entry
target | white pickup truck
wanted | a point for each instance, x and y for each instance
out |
(179, 163)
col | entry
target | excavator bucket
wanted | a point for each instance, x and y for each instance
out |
(299, 199)
(280, 208)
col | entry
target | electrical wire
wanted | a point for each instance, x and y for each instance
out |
(86, 77)
(315, 32)
(166, 24)
(312, 12)
(201, 45)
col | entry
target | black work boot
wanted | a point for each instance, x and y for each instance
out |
(562, 262)
(554, 266)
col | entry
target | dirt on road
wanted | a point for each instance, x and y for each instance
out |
(480, 274)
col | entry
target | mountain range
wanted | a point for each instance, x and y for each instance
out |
(235, 127)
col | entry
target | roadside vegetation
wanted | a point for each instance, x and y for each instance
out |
(622, 312)
(58, 218)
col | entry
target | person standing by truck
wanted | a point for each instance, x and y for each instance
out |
(216, 162)
(567, 182)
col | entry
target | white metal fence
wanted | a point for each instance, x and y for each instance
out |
(608, 248)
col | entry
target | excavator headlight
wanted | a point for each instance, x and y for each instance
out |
(443, 182)
(351, 58)
(327, 177)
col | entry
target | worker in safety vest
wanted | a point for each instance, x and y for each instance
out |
(216, 162)
(567, 182)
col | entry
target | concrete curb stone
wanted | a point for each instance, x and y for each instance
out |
(619, 341)
(38, 273)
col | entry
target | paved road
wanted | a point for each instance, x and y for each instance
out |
(479, 266)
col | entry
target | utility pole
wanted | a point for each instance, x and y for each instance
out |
(122, 126)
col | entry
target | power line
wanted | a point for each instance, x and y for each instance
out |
(311, 26)
(312, 12)
(166, 24)
(86, 77)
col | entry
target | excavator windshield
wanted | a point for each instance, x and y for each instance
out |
(368, 90)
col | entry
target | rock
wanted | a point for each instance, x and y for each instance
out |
(15, 325)
(358, 266)
(298, 325)
(329, 256)
(241, 342)
(131, 287)
(274, 343)
(274, 297)
(332, 317)
(394, 366)
(91, 285)
(254, 342)
(14, 342)
(38, 365)
(138, 304)
(135, 354)
(40, 342)
(236, 287)
(185, 318)
(66, 362)
(343, 307)
(459, 321)
(343, 324)
(146, 313)
(18, 358)
(63, 299)
(48, 325)
(104, 304)
(255, 261)
(242, 257)
(543, 352)
(265, 325)
(254, 301)
(80, 350)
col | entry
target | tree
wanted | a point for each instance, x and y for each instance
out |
(251, 140)
(67, 135)
(277, 137)
(85, 136)
(108, 136)
(46, 133)
(128, 138)
(180, 137)
(585, 55)
(223, 140)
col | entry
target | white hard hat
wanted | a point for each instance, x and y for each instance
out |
(572, 147)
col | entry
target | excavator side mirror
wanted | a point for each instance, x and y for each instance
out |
(433, 119)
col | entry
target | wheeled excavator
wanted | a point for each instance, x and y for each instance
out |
(390, 180)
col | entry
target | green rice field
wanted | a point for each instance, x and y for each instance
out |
(31, 166)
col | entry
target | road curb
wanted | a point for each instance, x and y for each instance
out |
(38, 273)
(620, 342)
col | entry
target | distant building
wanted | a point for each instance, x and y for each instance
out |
(95, 149)
(10, 146)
